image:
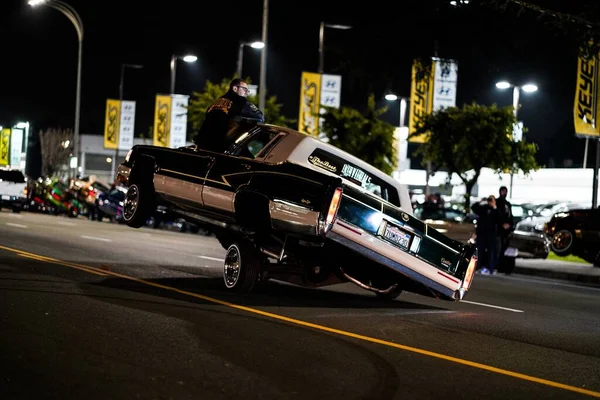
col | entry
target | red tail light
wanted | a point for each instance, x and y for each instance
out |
(333, 206)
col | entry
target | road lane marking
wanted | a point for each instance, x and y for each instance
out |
(66, 223)
(492, 306)
(324, 328)
(18, 216)
(212, 258)
(59, 262)
(101, 239)
(16, 225)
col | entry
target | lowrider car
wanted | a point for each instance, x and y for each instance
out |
(576, 232)
(289, 207)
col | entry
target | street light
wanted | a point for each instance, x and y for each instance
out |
(527, 88)
(72, 15)
(254, 45)
(188, 58)
(322, 38)
(121, 86)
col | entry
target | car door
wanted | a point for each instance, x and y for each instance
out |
(234, 168)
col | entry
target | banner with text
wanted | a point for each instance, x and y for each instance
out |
(126, 125)
(111, 123)
(178, 120)
(445, 74)
(421, 98)
(162, 120)
(4, 146)
(310, 93)
(16, 147)
(585, 109)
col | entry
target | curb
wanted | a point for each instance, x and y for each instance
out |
(593, 280)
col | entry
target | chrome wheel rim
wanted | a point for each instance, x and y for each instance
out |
(561, 241)
(132, 199)
(231, 266)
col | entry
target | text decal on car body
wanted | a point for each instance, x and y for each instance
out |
(355, 174)
(323, 164)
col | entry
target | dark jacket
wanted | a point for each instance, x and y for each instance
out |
(220, 117)
(488, 221)
(505, 211)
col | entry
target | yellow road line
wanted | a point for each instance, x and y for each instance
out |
(317, 326)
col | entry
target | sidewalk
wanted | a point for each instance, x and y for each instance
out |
(560, 270)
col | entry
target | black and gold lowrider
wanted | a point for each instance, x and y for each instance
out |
(289, 207)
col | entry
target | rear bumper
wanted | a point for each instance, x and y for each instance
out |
(454, 292)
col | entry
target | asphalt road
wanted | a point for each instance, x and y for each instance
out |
(97, 310)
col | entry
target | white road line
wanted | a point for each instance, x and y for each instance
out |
(211, 258)
(16, 225)
(491, 306)
(19, 216)
(96, 238)
(66, 223)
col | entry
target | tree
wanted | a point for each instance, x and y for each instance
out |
(465, 140)
(363, 135)
(56, 146)
(200, 101)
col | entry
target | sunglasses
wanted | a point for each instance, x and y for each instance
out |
(244, 88)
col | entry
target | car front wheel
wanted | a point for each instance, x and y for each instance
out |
(241, 267)
(137, 206)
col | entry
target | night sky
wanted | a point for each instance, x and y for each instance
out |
(39, 53)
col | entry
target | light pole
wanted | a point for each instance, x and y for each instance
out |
(402, 138)
(121, 86)
(262, 86)
(322, 39)
(528, 88)
(189, 59)
(70, 13)
(254, 45)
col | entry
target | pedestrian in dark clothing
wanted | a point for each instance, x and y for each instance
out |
(223, 113)
(487, 240)
(506, 226)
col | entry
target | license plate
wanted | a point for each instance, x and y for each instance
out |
(4, 197)
(396, 235)
(511, 252)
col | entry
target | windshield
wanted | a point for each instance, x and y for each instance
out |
(12, 176)
(354, 174)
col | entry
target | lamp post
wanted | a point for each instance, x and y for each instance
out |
(262, 85)
(240, 59)
(402, 139)
(121, 86)
(188, 58)
(72, 15)
(528, 88)
(322, 39)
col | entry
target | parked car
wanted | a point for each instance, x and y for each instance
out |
(13, 189)
(576, 232)
(287, 206)
(110, 204)
(454, 223)
(528, 240)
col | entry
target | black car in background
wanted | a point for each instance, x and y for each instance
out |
(576, 232)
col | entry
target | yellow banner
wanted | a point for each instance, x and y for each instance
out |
(421, 98)
(111, 124)
(310, 103)
(4, 146)
(585, 109)
(162, 120)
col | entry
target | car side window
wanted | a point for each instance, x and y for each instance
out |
(254, 144)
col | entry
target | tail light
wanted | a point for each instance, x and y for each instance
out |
(334, 205)
(470, 271)
(25, 191)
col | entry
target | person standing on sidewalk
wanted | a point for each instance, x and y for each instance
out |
(506, 264)
(488, 243)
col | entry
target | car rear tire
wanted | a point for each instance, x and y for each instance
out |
(241, 267)
(137, 206)
(562, 242)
